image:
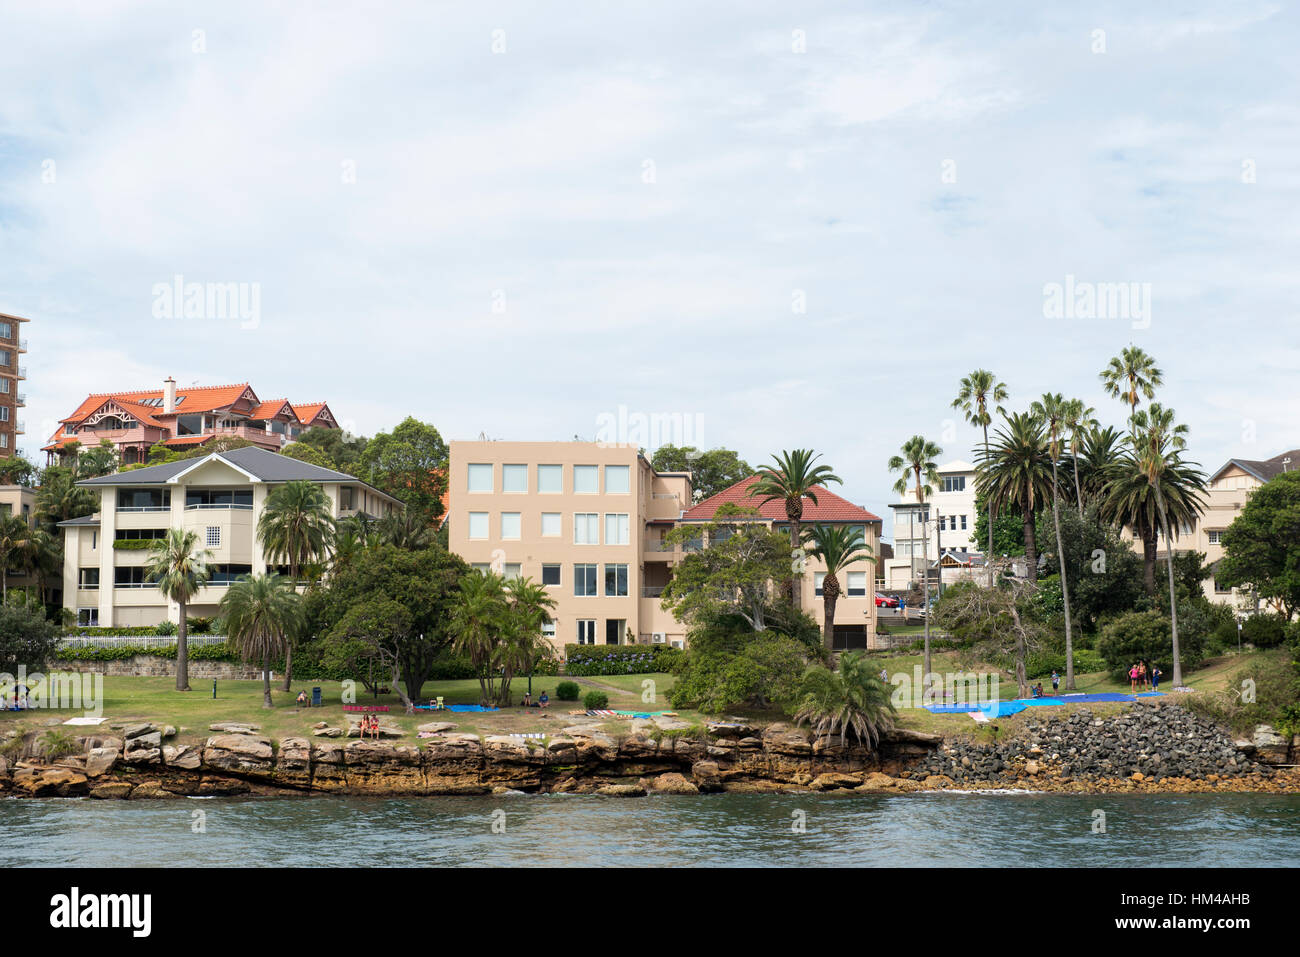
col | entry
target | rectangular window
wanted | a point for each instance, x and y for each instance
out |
(818, 578)
(616, 529)
(512, 570)
(478, 524)
(954, 483)
(4, 413)
(550, 479)
(214, 536)
(586, 479)
(550, 574)
(1220, 589)
(88, 617)
(963, 523)
(130, 576)
(6, 330)
(859, 534)
(510, 525)
(345, 497)
(857, 582)
(88, 578)
(615, 581)
(1213, 537)
(144, 499)
(514, 478)
(480, 477)
(618, 479)
(584, 581)
(214, 498)
(614, 629)
(548, 630)
(586, 528)
(586, 631)
(482, 568)
(551, 525)
(4, 386)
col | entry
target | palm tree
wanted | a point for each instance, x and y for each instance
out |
(916, 463)
(179, 570)
(1053, 410)
(792, 478)
(529, 606)
(1129, 376)
(851, 701)
(476, 620)
(975, 393)
(406, 528)
(59, 498)
(295, 527)
(838, 546)
(261, 611)
(1100, 451)
(1017, 473)
(15, 543)
(1079, 420)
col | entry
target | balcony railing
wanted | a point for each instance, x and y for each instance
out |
(21, 398)
(652, 591)
(208, 507)
(22, 345)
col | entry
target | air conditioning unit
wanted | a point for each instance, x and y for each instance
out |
(658, 637)
(677, 643)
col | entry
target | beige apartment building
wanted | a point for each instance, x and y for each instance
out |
(220, 496)
(13, 373)
(587, 521)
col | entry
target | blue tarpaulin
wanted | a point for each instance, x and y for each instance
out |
(1005, 708)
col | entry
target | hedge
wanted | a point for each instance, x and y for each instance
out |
(585, 660)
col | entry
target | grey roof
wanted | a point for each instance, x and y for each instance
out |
(1267, 468)
(84, 520)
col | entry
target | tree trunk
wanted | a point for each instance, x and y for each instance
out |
(1022, 679)
(266, 683)
(988, 556)
(288, 639)
(182, 650)
(796, 582)
(1065, 586)
(1031, 545)
(1173, 595)
(828, 626)
(925, 580)
(1078, 491)
(1149, 561)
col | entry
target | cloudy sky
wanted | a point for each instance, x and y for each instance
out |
(783, 225)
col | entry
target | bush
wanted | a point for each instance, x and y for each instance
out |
(165, 628)
(1276, 700)
(567, 691)
(1042, 664)
(589, 660)
(594, 700)
(1263, 630)
(199, 626)
(1145, 636)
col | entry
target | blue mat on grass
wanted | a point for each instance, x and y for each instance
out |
(1005, 708)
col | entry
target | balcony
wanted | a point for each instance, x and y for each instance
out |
(20, 427)
(20, 399)
(22, 345)
(652, 591)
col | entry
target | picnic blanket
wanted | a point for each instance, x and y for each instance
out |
(469, 707)
(1006, 708)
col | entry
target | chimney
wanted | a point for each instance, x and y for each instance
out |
(169, 394)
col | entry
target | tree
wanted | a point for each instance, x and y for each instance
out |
(838, 546)
(974, 394)
(1052, 410)
(916, 463)
(528, 607)
(26, 638)
(711, 472)
(852, 701)
(17, 470)
(97, 461)
(1078, 421)
(1008, 529)
(727, 665)
(59, 498)
(309, 454)
(1131, 501)
(994, 615)
(1016, 473)
(341, 451)
(410, 464)
(476, 620)
(179, 569)
(15, 542)
(1130, 376)
(1262, 545)
(261, 612)
(792, 477)
(295, 528)
(1096, 465)
(405, 528)
(1109, 578)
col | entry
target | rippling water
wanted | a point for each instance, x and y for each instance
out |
(729, 829)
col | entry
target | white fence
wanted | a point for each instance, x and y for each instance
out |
(137, 641)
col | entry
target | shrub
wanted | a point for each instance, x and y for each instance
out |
(59, 744)
(589, 660)
(567, 691)
(199, 626)
(1145, 635)
(1264, 630)
(1276, 698)
(594, 700)
(1042, 664)
(165, 628)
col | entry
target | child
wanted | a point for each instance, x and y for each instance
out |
(1133, 679)
(1155, 677)
(1056, 681)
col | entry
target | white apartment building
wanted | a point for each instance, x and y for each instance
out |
(947, 519)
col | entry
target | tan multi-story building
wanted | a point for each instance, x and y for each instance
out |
(12, 374)
(587, 521)
(944, 524)
(219, 496)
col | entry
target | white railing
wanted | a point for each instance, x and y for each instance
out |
(143, 641)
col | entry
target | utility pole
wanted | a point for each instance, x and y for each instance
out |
(938, 545)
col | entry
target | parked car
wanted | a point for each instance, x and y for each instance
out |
(885, 601)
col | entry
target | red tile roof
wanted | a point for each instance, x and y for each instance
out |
(829, 508)
(308, 411)
(270, 409)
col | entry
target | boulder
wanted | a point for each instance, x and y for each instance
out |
(50, 782)
(240, 753)
(115, 790)
(1270, 747)
(732, 729)
(664, 723)
(832, 780)
(672, 783)
(186, 757)
(436, 727)
(374, 767)
(622, 790)
(706, 775)
(143, 755)
(136, 730)
(235, 727)
(323, 732)
(293, 762)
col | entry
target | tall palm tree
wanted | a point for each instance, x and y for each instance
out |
(476, 620)
(15, 544)
(915, 464)
(261, 611)
(295, 528)
(1017, 473)
(793, 477)
(851, 701)
(528, 607)
(406, 528)
(179, 569)
(974, 394)
(1130, 376)
(59, 498)
(838, 546)
(1100, 451)
(1053, 410)
(1079, 420)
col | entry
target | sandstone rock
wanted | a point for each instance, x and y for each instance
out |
(937, 782)
(143, 756)
(115, 790)
(323, 732)
(833, 780)
(235, 727)
(435, 727)
(664, 723)
(187, 757)
(240, 752)
(169, 731)
(50, 782)
(732, 729)
(136, 730)
(385, 731)
(1270, 747)
(706, 775)
(673, 783)
(152, 791)
(622, 790)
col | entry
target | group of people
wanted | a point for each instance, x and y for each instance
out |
(1142, 677)
(543, 700)
(16, 702)
(370, 725)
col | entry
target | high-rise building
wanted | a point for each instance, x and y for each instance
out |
(12, 374)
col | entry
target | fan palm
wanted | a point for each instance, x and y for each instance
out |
(974, 394)
(179, 569)
(837, 546)
(916, 463)
(529, 606)
(852, 701)
(1053, 411)
(295, 527)
(261, 612)
(1079, 420)
(793, 477)
(1130, 376)
(1017, 473)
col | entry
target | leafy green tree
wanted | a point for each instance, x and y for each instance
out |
(1108, 581)
(15, 543)
(1144, 636)
(838, 547)
(1262, 545)
(727, 665)
(1130, 376)
(59, 498)
(1008, 529)
(410, 464)
(791, 478)
(712, 472)
(1000, 617)
(261, 612)
(976, 392)
(851, 702)
(179, 569)
(1017, 474)
(17, 470)
(523, 644)
(477, 619)
(309, 454)
(340, 450)
(295, 528)
(405, 528)
(97, 461)
(26, 637)
(1053, 411)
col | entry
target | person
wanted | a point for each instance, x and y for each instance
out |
(1056, 681)
(544, 700)
(1038, 690)
(1155, 677)
(1133, 679)
(884, 675)
(528, 700)
(1142, 676)
(302, 698)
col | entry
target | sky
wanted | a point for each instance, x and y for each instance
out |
(753, 225)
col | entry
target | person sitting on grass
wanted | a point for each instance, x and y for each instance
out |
(544, 701)
(528, 700)
(1038, 690)
(302, 698)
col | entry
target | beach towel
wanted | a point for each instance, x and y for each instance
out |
(979, 717)
(91, 721)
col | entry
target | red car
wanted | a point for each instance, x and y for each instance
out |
(884, 601)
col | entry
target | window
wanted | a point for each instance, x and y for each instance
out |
(4, 413)
(345, 497)
(1220, 589)
(144, 499)
(586, 528)
(550, 479)
(618, 479)
(512, 570)
(1213, 537)
(4, 440)
(857, 582)
(6, 330)
(514, 478)
(478, 524)
(614, 629)
(4, 386)
(551, 525)
(615, 581)
(616, 529)
(87, 617)
(227, 574)
(480, 477)
(963, 523)
(510, 525)
(5, 357)
(213, 498)
(483, 568)
(859, 534)
(954, 483)
(550, 574)
(586, 631)
(584, 581)
(88, 578)
(818, 578)
(585, 479)
(214, 536)
(548, 630)
(132, 576)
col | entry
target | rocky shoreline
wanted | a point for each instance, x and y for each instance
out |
(1160, 748)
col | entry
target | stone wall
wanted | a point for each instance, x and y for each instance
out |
(149, 666)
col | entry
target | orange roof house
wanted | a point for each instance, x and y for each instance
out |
(830, 508)
(183, 418)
